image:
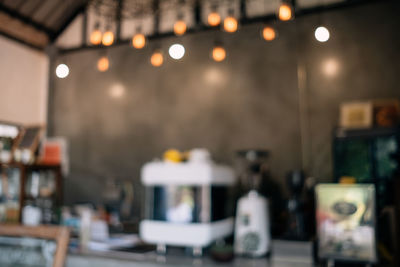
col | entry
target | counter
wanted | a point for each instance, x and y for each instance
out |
(287, 254)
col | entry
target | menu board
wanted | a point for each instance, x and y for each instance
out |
(346, 222)
(33, 246)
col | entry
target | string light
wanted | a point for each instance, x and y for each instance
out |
(214, 19)
(230, 24)
(108, 38)
(138, 41)
(218, 53)
(103, 64)
(285, 12)
(268, 33)
(96, 35)
(157, 58)
(180, 27)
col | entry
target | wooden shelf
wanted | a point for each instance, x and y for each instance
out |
(25, 169)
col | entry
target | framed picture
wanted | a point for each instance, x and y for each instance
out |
(346, 223)
(386, 112)
(356, 115)
(33, 246)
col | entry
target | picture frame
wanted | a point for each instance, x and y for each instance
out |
(386, 112)
(356, 115)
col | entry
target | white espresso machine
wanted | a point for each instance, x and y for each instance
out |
(186, 204)
(252, 226)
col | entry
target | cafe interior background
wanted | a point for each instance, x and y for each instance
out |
(323, 104)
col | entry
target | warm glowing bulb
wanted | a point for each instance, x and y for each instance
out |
(285, 12)
(269, 33)
(103, 63)
(95, 37)
(157, 59)
(62, 71)
(214, 19)
(218, 53)
(322, 34)
(108, 38)
(230, 24)
(180, 27)
(138, 41)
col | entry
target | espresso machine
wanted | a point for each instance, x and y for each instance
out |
(186, 203)
(252, 225)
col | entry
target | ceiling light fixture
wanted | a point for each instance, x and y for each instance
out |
(176, 51)
(103, 64)
(96, 35)
(62, 71)
(322, 34)
(180, 27)
(138, 40)
(269, 33)
(285, 11)
(108, 37)
(157, 58)
(214, 19)
(218, 53)
(230, 24)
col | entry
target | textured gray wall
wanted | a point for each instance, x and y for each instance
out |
(249, 100)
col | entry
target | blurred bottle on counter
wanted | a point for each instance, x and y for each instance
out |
(85, 230)
(300, 206)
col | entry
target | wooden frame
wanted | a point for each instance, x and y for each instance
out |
(58, 233)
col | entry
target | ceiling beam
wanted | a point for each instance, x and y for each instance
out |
(79, 10)
(14, 14)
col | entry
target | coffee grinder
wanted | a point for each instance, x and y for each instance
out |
(252, 225)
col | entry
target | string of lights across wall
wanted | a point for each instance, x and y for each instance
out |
(105, 38)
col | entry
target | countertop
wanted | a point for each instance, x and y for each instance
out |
(284, 254)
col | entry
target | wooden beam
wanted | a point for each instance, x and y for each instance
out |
(69, 20)
(26, 20)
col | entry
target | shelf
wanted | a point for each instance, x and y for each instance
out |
(36, 166)
(365, 133)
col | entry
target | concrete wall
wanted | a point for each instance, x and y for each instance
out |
(282, 96)
(23, 83)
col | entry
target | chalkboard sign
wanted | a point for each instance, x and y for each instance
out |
(42, 246)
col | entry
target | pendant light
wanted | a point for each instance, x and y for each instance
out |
(230, 22)
(285, 11)
(96, 35)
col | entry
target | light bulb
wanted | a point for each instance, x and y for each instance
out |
(214, 19)
(108, 38)
(138, 41)
(180, 27)
(285, 12)
(95, 37)
(103, 64)
(157, 59)
(218, 53)
(322, 34)
(176, 51)
(62, 71)
(269, 33)
(230, 24)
